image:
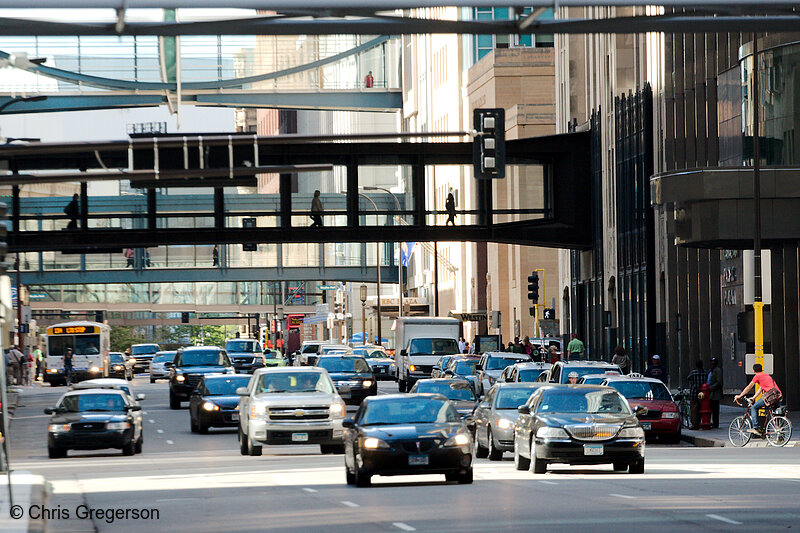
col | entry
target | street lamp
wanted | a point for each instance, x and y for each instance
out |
(363, 314)
(378, 272)
(399, 247)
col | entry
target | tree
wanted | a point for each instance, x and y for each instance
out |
(123, 337)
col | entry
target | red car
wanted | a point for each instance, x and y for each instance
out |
(662, 418)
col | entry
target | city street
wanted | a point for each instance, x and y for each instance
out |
(201, 483)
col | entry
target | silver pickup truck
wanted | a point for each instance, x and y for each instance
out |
(290, 405)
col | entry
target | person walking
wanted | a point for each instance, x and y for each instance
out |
(450, 207)
(215, 255)
(655, 370)
(771, 394)
(622, 360)
(695, 379)
(67, 359)
(316, 208)
(369, 81)
(73, 212)
(715, 384)
(38, 360)
(128, 257)
(554, 357)
(16, 364)
(462, 345)
(575, 348)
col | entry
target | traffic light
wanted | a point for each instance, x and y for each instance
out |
(3, 233)
(489, 145)
(533, 287)
(98, 316)
(184, 318)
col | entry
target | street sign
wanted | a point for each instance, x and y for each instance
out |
(327, 287)
(750, 360)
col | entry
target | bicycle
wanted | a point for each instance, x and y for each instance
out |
(777, 429)
(684, 408)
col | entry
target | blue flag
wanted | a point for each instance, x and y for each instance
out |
(406, 249)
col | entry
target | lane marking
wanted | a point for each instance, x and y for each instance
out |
(177, 499)
(350, 504)
(152, 421)
(548, 482)
(403, 526)
(144, 412)
(723, 519)
(623, 496)
(159, 431)
(170, 442)
(310, 490)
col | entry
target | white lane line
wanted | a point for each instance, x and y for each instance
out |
(310, 490)
(144, 412)
(403, 526)
(159, 431)
(177, 499)
(623, 496)
(548, 482)
(350, 504)
(723, 519)
(152, 421)
(170, 442)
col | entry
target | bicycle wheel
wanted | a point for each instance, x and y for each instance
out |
(778, 431)
(739, 431)
(685, 414)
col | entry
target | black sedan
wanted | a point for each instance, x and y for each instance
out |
(93, 420)
(407, 434)
(352, 376)
(213, 403)
(578, 425)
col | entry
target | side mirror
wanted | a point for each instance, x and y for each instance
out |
(448, 373)
(196, 392)
(640, 410)
(348, 423)
(169, 364)
(50, 410)
(523, 410)
(241, 391)
(134, 408)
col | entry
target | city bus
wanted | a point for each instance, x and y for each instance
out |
(90, 343)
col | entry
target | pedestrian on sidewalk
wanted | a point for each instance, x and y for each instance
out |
(16, 364)
(655, 370)
(39, 362)
(67, 359)
(695, 379)
(575, 348)
(622, 360)
(715, 384)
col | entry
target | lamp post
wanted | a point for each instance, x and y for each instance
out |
(378, 273)
(399, 248)
(758, 301)
(363, 314)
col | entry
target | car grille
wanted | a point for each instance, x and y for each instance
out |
(244, 360)
(292, 414)
(347, 383)
(425, 369)
(285, 437)
(651, 414)
(88, 426)
(192, 379)
(425, 445)
(592, 432)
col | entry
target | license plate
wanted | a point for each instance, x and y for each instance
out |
(592, 449)
(647, 426)
(235, 417)
(344, 389)
(417, 460)
(299, 437)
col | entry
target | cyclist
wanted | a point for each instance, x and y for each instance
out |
(766, 383)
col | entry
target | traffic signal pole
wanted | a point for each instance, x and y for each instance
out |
(758, 301)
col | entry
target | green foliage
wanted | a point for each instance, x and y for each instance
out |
(122, 337)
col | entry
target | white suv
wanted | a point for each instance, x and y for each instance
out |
(290, 405)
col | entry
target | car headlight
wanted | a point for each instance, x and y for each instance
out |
(551, 433)
(412, 368)
(52, 370)
(505, 423)
(118, 426)
(58, 428)
(117, 367)
(132, 360)
(631, 433)
(670, 414)
(337, 409)
(209, 406)
(258, 410)
(371, 443)
(95, 369)
(180, 378)
(367, 383)
(460, 439)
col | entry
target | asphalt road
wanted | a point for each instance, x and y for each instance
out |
(200, 483)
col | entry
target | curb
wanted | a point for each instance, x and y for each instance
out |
(702, 442)
(39, 494)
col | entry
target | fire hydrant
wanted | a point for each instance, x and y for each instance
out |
(705, 406)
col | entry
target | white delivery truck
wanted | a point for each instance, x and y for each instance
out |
(419, 343)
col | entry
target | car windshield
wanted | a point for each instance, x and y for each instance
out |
(465, 368)
(202, 358)
(278, 382)
(641, 390)
(499, 363)
(242, 347)
(582, 371)
(528, 375)
(93, 402)
(145, 349)
(226, 386)
(272, 354)
(344, 364)
(371, 354)
(310, 348)
(433, 347)
(164, 357)
(408, 411)
(511, 398)
(593, 380)
(116, 358)
(452, 390)
(592, 401)
(335, 349)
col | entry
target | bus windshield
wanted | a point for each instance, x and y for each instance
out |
(80, 344)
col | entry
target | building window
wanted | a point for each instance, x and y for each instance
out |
(483, 44)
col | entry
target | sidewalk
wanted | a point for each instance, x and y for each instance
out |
(29, 491)
(719, 436)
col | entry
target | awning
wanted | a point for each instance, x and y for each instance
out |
(468, 316)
